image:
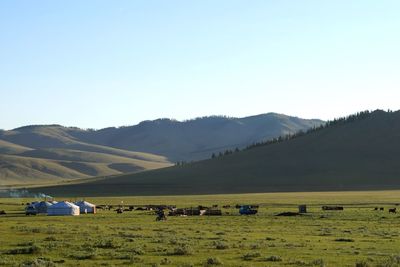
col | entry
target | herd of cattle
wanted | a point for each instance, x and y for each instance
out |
(172, 210)
(213, 210)
(392, 210)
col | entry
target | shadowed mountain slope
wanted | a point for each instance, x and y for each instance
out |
(199, 138)
(362, 152)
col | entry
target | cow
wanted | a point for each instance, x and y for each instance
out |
(392, 210)
(332, 208)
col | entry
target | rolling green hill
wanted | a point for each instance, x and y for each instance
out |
(45, 153)
(49, 154)
(362, 152)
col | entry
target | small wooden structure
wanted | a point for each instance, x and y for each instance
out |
(302, 208)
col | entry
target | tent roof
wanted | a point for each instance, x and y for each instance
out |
(43, 203)
(64, 204)
(84, 203)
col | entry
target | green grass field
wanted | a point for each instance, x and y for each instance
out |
(358, 235)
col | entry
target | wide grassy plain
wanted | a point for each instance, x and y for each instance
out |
(357, 236)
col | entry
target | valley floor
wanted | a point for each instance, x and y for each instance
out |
(357, 235)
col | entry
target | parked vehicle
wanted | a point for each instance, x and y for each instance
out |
(30, 210)
(247, 210)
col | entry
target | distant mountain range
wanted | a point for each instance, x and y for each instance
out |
(50, 153)
(360, 152)
(198, 138)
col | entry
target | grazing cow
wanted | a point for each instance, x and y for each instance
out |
(376, 208)
(212, 213)
(382, 209)
(215, 206)
(119, 210)
(392, 210)
(332, 208)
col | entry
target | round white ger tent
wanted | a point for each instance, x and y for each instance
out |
(42, 207)
(86, 207)
(63, 208)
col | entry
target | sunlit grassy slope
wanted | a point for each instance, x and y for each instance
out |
(359, 154)
(10, 148)
(53, 156)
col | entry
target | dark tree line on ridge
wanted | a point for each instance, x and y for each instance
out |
(339, 121)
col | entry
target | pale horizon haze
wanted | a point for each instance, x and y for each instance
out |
(95, 64)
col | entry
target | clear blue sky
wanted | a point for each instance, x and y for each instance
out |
(97, 63)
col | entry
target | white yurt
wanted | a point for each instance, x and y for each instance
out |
(42, 207)
(63, 208)
(86, 207)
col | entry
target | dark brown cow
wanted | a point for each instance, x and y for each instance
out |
(332, 208)
(392, 210)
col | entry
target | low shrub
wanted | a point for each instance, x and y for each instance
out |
(318, 262)
(26, 250)
(40, 262)
(251, 255)
(255, 246)
(273, 258)
(344, 240)
(362, 264)
(213, 261)
(83, 256)
(165, 261)
(220, 245)
(392, 261)
(106, 244)
(182, 250)
(134, 259)
(50, 238)
(137, 251)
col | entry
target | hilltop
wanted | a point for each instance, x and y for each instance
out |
(360, 152)
(48, 154)
(53, 153)
(198, 138)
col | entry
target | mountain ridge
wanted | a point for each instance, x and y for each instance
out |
(358, 153)
(147, 145)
